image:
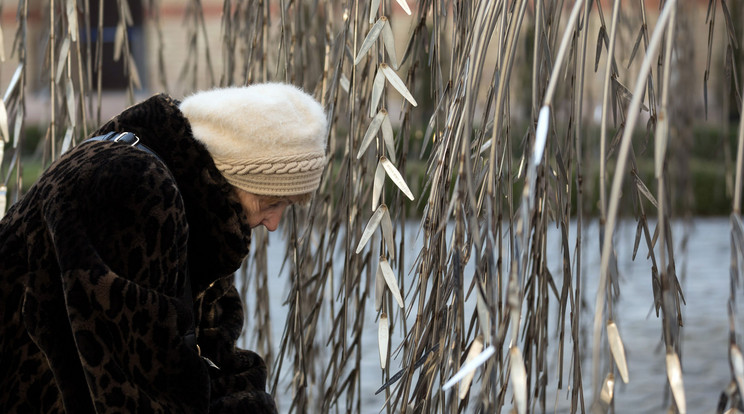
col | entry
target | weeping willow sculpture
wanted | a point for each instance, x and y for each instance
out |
(489, 100)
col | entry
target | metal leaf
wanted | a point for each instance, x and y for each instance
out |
(518, 379)
(2, 49)
(372, 225)
(388, 136)
(484, 317)
(344, 82)
(636, 243)
(602, 404)
(541, 134)
(379, 288)
(387, 273)
(394, 175)
(598, 53)
(70, 99)
(660, 143)
(72, 21)
(62, 61)
(387, 232)
(374, 5)
(646, 192)
(404, 6)
(469, 367)
(118, 40)
(383, 334)
(635, 46)
(674, 374)
(377, 185)
(377, 87)
(397, 83)
(17, 126)
(475, 349)
(608, 389)
(4, 123)
(389, 41)
(134, 74)
(3, 197)
(13, 82)
(617, 349)
(737, 365)
(67, 141)
(372, 129)
(374, 33)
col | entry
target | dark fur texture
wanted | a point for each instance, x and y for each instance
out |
(92, 265)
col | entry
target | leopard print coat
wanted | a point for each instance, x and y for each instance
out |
(93, 261)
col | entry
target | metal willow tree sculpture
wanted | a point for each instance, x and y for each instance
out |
(496, 176)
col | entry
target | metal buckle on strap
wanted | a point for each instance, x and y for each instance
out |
(127, 138)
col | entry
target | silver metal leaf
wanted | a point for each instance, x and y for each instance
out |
(70, 99)
(646, 192)
(404, 6)
(387, 232)
(374, 33)
(389, 41)
(484, 317)
(383, 334)
(377, 185)
(374, 5)
(372, 225)
(674, 374)
(13, 82)
(17, 126)
(62, 62)
(541, 134)
(3, 196)
(518, 379)
(377, 87)
(394, 175)
(602, 404)
(397, 83)
(372, 130)
(72, 21)
(469, 367)
(737, 366)
(118, 40)
(387, 273)
(660, 145)
(67, 141)
(388, 136)
(134, 74)
(344, 82)
(4, 123)
(475, 349)
(379, 288)
(617, 349)
(2, 50)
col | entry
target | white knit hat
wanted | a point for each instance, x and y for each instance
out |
(267, 139)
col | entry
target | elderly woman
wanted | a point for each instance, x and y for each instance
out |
(116, 286)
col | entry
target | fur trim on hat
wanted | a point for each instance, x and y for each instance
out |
(265, 138)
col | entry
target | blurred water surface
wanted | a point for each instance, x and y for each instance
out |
(703, 268)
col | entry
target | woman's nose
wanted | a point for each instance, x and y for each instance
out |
(272, 223)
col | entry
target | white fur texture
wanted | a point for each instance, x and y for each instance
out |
(257, 121)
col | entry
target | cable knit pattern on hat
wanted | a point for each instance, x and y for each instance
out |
(267, 139)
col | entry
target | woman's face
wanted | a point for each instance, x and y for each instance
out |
(266, 211)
